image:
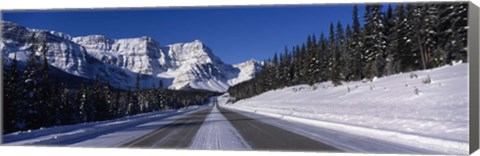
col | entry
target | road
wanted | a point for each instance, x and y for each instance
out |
(258, 135)
(178, 134)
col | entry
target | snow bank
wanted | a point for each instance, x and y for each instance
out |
(428, 109)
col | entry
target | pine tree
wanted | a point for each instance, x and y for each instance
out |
(408, 51)
(460, 26)
(340, 52)
(98, 101)
(133, 105)
(11, 98)
(323, 59)
(348, 57)
(303, 66)
(412, 59)
(83, 104)
(334, 61)
(452, 31)
(275, 71)
(392, 62)
(445, 35)
(375, 43)
(67, 100)
(311, 72)
(109, 104)
(160, 95)
(58, 112)
(356, 46)
(424, 23)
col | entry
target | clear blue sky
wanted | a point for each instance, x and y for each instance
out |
(234, 34)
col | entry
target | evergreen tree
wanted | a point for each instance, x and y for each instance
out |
(11, 98)
(83, 104)
(109, 104)
(340, 52)
(334, 61)
(58, 108)
(67, 101)
(452, 32)
(323, 59)
(411, 58)
(160, 96)
(424, 22)
(133, 105)
(375, 44)
(407, 49)
(392, 61)
(312, 61)
(348, 57)
(303, 65)
(356, 46)
(98, 101)
(460, 27)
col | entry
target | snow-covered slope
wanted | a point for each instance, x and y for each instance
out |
(402, 108)
(180, 66)
(247, 71)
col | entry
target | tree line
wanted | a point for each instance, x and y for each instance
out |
(412, 36)
(33, 99)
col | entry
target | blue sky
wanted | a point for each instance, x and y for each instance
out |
(235, 34)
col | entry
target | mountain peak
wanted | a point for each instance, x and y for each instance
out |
(252, 61)
(249, 62)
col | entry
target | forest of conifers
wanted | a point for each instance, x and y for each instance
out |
(407, 37)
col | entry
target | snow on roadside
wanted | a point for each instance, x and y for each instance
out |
(402, 108)
(217, 133)
(109, 133)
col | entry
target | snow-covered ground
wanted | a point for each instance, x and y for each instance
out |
(217, 133)
(401, 108)
(111, 133)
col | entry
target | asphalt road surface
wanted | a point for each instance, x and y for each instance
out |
(259, 135)
(178, 134)
(263, 136)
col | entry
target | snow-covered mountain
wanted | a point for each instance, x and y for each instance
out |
(180, 66)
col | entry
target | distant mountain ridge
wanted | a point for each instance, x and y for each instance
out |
(118, 61)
